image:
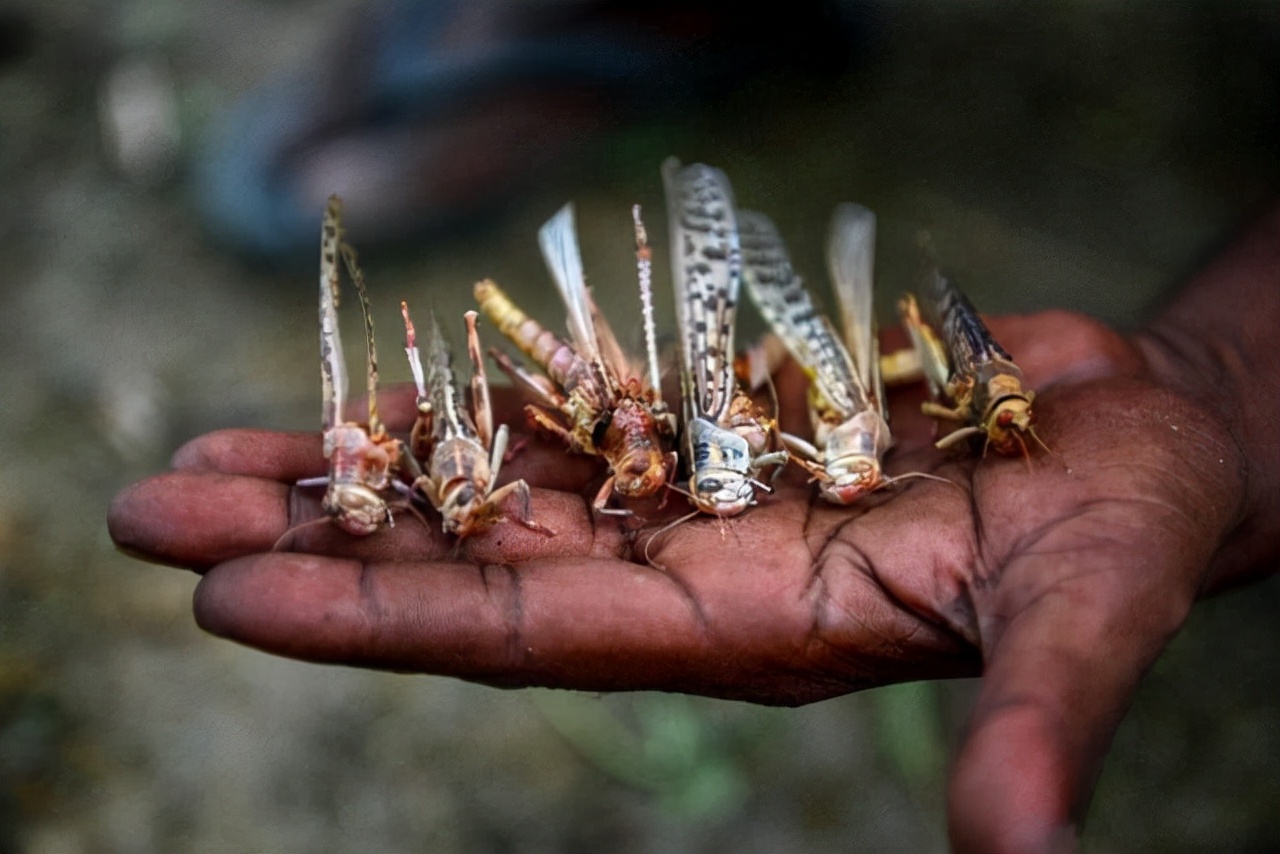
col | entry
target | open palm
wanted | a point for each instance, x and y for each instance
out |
(1059, 581)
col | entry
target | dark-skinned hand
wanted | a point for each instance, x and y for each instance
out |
(1059, 581)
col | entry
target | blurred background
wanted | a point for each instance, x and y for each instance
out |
(156, 159)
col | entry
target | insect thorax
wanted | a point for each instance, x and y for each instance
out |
(720, 480)
(632, 445)
(355, 458)
(459, 459)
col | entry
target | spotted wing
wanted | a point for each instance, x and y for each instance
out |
(707, 270)
(851, 259)
(968, 342)
(333, 368)
(782, 298)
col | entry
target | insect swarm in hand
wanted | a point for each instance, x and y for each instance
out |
(460, 450)
(589, 394)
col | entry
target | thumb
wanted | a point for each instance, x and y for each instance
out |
(1067, 637)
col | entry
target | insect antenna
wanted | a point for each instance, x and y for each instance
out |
(671, 486)
(912, 475)
(1026, 452)
(1039, 441)
(286, 539)
(667, 527)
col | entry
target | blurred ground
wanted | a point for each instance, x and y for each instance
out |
(1067, 154)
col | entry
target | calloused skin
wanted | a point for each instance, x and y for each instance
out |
(1059, 582)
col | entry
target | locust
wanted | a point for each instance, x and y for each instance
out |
(589, 394)
(460, 449)
(980, 385)
(846, 396)
(365, 461)
(728, 439)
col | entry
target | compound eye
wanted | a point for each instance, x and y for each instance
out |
(710, 484)
(1005, 418)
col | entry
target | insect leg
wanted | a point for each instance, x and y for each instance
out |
(524, 500)
(481, 405)
(937, 410)
(958, 436)
(539, 386)
(362, 291)
(543, 420)
(800, 448)
(497, 452)
(600, 503)
(420, 438)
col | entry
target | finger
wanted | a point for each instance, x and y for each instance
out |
(1054, 347)
(1063, 661)
(601, 624)
(196, 519)
(284, 456)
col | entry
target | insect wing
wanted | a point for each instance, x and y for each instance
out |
(851, 258)
(558, 239)
(707, 271)
(787, 306)
(449, 419)
(333, 367)
(934, 363)
(969, 344)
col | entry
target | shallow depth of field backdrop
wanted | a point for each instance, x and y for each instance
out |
(1066, 154)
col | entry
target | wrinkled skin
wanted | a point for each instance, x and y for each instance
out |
(1060, 582)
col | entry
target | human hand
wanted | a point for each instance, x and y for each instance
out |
(1060, 582)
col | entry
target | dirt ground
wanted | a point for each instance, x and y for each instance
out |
(1067, 154)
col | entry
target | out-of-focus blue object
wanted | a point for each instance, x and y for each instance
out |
(376, 101)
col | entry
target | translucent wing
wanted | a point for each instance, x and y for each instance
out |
(707, 270)
(851, 258)
(785, 303)
(333, 368)
(558, 238)
(934, 363)
(611, 352)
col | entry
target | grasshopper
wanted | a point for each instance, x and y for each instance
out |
(461, 451)
(589, 394)
(365, 462)
(846, 395)
(728, 439)
(965, 366)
